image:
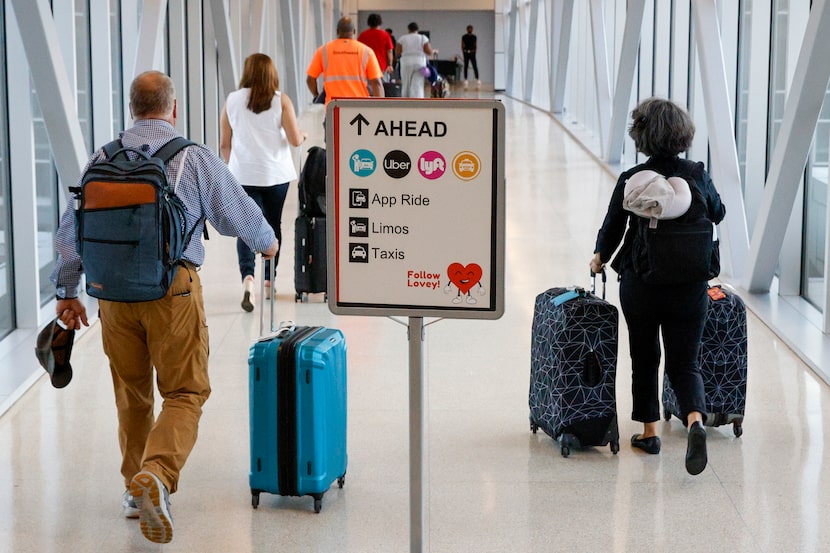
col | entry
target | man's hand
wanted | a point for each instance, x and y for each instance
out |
(272, 251)
(72, 313)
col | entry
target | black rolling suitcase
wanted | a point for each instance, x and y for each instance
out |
(723, 362)
(573, 369)
(309, 256)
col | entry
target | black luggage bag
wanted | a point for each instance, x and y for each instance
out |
(309, 256)
(573, 369)
(311, 186)
(723, 362)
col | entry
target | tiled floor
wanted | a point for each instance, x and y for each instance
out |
(492, 485)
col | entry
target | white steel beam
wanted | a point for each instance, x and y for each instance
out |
(625, 79)
(720, 121)
(512, 44)
(290, 22)
(564, 25)
(256, 24)
(224, 46)
(150, 34)
(801, 112)
(57, 99)
(530, 68)
(601, 70)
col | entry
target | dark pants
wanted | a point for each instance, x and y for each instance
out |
(270, 200)
(470, 57)
(679, 311)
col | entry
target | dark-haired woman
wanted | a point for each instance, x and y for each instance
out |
(662, 131)
(414, 50)
(258, 126)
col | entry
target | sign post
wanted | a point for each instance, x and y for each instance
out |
(415, 215)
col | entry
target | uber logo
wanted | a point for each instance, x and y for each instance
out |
(397, 164)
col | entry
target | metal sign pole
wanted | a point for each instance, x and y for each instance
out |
(417, 524)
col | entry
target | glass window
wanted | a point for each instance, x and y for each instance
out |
(7, 321)
(82, 67)
(742, 108)
(46, 187)
(115, 60)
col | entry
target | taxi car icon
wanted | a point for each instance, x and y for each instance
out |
(359, 252)
(466, 166)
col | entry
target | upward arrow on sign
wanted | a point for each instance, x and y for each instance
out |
(360, 120)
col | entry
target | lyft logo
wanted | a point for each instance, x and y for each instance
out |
(432, 165)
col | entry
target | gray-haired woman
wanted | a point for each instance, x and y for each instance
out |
(662, 131)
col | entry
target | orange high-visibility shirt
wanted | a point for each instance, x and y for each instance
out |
(347, 66)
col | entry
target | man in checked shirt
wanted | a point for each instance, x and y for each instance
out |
(169, 333)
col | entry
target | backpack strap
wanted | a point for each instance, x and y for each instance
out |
(172, 148)
(110, 148)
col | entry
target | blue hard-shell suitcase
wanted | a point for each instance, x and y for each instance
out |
(298, 412)
(573, 369)
(723, 362)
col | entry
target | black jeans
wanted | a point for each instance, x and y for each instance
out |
(270, 200)
(470, 57)
(679, 311)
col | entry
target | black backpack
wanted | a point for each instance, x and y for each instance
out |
(681, 250)
(131, 226)
(312, 184)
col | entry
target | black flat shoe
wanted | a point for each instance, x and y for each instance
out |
(649, 445)
(696, 449)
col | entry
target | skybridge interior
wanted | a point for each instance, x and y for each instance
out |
(753, 74)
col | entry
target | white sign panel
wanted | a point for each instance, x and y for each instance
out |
(416, 207)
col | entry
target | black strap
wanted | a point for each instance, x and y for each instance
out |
(173, 147)
(111, 147)
(165, 153)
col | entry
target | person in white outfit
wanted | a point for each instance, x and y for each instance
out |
(413, 49)
(258, 126)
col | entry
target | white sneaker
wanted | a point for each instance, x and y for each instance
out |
(465, 84)
(153, 502)
(248, 294)
(128, 505)
(478, 85)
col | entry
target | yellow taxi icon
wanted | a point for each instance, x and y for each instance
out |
(466, 165)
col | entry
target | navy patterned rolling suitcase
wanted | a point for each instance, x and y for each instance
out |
(573, 369)
(723, 362)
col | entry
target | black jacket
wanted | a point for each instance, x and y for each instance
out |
(619, 222)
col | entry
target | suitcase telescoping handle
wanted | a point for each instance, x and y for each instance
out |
(594, 282)
(285, 327)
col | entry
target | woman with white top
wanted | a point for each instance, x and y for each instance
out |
(413, 49)
(258, 126)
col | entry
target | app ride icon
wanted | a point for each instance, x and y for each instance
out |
(362, 163)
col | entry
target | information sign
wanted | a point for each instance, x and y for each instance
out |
(416, 208)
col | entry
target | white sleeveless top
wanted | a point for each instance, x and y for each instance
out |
(260, 153)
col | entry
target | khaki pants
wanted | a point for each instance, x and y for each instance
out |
(171, 335)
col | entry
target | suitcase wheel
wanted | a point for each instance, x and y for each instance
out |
(299, 297)
(666, 414)
(533, 426)
(737, 427)
(566, 442)
(615, 447)
(341, 481)
(254, 499)
(318, 504)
